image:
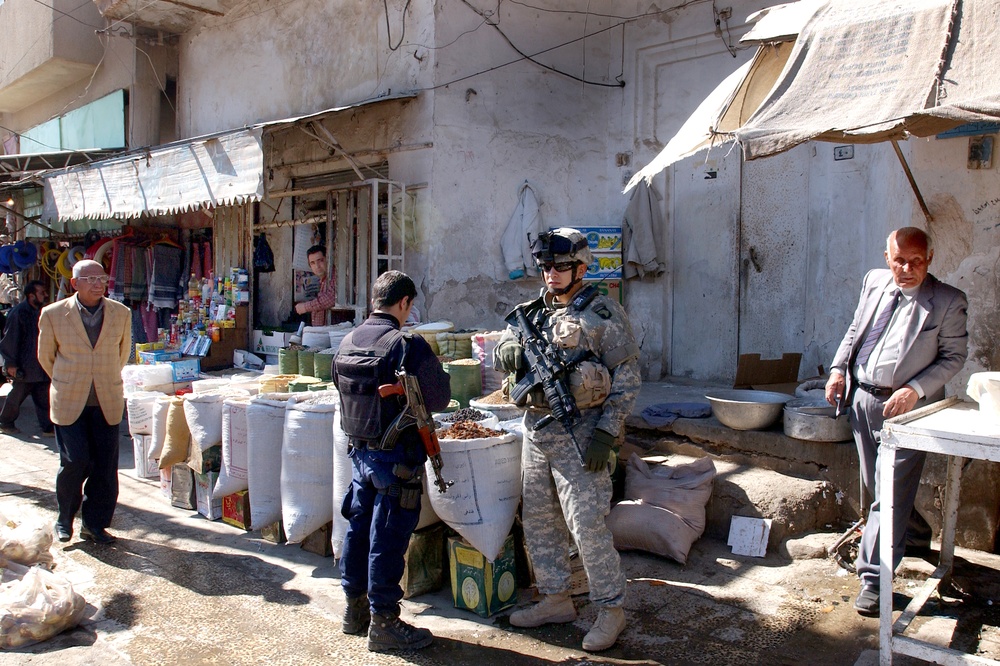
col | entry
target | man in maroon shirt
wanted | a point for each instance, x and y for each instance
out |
(327, 296)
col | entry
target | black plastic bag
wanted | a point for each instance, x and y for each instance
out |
(263, 257)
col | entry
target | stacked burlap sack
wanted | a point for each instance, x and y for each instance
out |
(664, 507)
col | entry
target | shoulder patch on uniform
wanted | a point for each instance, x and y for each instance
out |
(602, 311)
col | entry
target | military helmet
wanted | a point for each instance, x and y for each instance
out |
(562, 244)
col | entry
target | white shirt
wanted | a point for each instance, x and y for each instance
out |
(882, 362)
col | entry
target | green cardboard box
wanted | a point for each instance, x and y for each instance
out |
(479, 585)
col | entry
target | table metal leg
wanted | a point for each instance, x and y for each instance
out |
(885, 540)
(953, 489)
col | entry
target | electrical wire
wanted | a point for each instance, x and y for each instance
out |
(388, 30)
(525, 56)
(67, 15)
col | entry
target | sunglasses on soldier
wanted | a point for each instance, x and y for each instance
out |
(561, 267)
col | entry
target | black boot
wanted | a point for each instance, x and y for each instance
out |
(388, 632)
(356, 616)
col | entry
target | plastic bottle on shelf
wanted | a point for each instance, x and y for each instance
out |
(194, 289)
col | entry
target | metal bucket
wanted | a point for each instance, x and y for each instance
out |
(814, 421)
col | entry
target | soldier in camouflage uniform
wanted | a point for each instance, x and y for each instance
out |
(566, 485)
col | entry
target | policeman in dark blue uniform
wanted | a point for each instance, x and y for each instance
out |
(383, 504)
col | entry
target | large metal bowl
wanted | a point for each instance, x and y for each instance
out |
(747, 409)
(815, 420)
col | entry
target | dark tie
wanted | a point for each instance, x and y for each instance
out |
(877, 329)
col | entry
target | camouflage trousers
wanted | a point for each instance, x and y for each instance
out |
(561, 499)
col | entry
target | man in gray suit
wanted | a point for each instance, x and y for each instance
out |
(907, 340)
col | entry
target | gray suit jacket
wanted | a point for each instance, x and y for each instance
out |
(935, 343)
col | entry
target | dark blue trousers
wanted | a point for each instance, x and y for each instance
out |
(88, 470)
(378, 533)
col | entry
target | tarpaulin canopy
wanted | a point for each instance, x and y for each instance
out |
(860, 71)
(221, 169)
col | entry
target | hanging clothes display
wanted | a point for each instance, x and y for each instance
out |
(641, 230)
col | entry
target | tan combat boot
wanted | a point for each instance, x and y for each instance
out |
(610, 622)
(552, 609)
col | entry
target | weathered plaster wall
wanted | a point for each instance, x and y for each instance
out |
(266, 62)
(496, 129)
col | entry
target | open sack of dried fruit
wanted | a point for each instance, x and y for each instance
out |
(484, 467)
(35, 605)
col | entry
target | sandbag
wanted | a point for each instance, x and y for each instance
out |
(159, 427)
(307, 463)
(178, 438)
(266, 420)
(233, 472)
(664, 507)
(204, 417)
(140, 411)
(483, 500)
(35, 605)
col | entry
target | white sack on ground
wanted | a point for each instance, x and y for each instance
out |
(204, 417)
(266, 420)
(487, 488)
(159, 426)
(307, 463)
(341, 484)
(140, 411)
(664, 507)
(233, 472)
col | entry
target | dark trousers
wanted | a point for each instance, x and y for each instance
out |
(378, 533)
(88, 470)
(19, 390)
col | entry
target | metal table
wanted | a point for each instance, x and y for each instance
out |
(955, 429)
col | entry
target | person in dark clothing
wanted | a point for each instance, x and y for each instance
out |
(19, 348)
(382, 506)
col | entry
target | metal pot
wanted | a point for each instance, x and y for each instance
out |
(746, 409)
(814, 421)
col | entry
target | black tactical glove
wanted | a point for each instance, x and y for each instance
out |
(510, 356)
(599, 451)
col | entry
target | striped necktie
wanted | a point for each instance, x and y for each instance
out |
(877, 329)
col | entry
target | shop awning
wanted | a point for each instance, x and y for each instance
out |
(863, 71)
(222, 169)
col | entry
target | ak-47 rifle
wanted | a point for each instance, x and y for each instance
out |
(549, 370)
(414, 414)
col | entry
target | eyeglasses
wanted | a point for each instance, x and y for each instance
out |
(93, 280)
(561, 267)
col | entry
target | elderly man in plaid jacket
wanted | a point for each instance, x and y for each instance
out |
(84, 341)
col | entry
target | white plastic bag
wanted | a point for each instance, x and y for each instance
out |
(25, 542)
(483, 500)
(307, 463)
(35, 605)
